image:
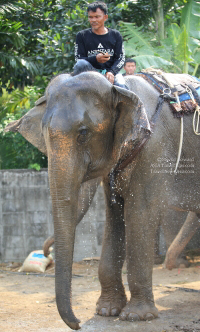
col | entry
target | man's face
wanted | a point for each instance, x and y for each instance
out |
(130, 68)
(97, 19)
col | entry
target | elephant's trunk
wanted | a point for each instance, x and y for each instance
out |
(64, 190)
(86, 195)
(63, 276)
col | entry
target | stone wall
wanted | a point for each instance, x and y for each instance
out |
(26, 217)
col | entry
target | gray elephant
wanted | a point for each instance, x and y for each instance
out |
(89, 128)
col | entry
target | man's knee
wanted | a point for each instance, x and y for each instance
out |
(82, 66)
(120, 81)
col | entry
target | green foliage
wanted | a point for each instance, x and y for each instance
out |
(179, 52)
(15, 70)
(146, 61)
(35, 166)
(182, 51)
(7, 6)
(57, 44)
(15, 151)
(142, 46)
(19, 102)
(146, 13)
(184, 41)
(135, 40)
(190, 18)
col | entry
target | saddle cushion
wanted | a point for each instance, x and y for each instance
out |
(172, 85)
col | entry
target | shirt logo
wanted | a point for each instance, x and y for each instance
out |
(100, 45)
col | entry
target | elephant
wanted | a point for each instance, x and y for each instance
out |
(186, 232)
(90, 128)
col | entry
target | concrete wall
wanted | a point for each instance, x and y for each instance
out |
(26, 217)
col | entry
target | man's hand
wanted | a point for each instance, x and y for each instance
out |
(110, 77)
(102, 58)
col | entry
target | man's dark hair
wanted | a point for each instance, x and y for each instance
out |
(98, 4)
(129, 60)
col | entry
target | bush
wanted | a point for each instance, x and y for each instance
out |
(15, 151)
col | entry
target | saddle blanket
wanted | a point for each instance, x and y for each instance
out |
(175, 85)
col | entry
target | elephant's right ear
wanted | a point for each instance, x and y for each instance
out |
(131, 121)
(30, 127)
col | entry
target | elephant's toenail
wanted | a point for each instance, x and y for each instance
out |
(133, 317)
(103, 311)
(114, 312)
(122, 316)
(149, 317)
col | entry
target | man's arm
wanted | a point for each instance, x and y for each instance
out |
(81, 51)
(119, 59)
(119, 56)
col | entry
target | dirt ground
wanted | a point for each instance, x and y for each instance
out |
(27, 301)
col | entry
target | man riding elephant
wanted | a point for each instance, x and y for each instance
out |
(99, 47)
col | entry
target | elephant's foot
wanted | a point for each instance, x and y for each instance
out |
(137, 310)
(171, 262)
(111, 304)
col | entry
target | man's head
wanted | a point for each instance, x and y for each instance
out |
(97, 15)
(130, 66)
(98, 4)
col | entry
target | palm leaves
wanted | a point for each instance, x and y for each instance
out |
(134, 36)
(185, 39)
(7, 6)
(141, 46)
(180, 50)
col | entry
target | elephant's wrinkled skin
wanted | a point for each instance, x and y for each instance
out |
(86, 195)
(86, 126)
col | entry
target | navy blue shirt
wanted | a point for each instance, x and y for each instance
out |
(89, 44)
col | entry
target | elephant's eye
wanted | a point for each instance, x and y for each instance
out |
(83, 135)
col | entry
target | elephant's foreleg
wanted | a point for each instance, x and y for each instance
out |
(141, 228)
(113, 297)
(181, 240)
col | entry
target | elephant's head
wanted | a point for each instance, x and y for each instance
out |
(82, 124)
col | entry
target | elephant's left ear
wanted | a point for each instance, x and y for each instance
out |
(30, 127)
(131, 121)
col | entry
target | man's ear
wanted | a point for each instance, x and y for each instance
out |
(131, 120)
(29, 126)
